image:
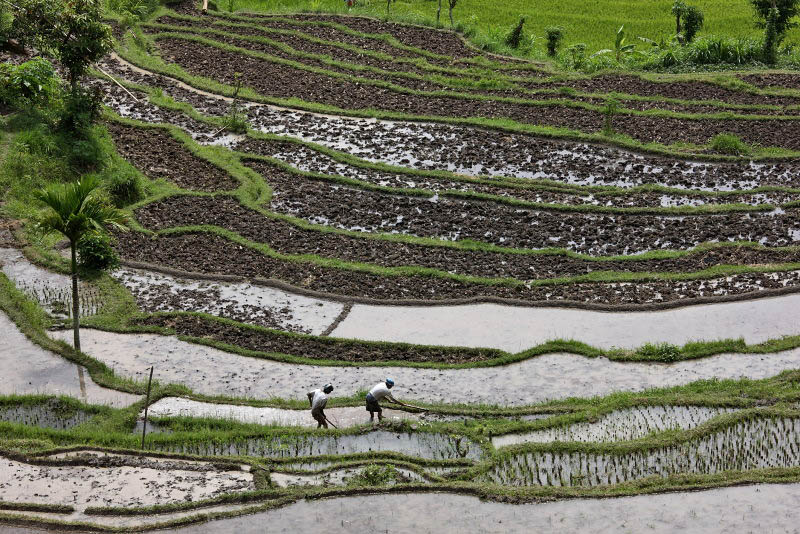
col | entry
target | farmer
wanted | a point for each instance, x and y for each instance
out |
(318, 399)
(377, 394)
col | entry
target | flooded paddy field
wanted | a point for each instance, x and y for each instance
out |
(552, 376)
(324, 199)
(621, 425)
(752, 444)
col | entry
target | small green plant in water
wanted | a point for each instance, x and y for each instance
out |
(729, 144)
(609, 111)
(237, 119)
(377, 475)
(663, 352)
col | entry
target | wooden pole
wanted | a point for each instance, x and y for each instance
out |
(146, 406)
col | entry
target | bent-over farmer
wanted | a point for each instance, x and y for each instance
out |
(377, 394)
(318, 399)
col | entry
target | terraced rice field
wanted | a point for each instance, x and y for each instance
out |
(582, 312)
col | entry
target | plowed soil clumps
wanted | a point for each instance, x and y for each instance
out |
(316, 348)
(288, 238)
(283, 81)
(158, 155)
(211, 254)
(318, 200)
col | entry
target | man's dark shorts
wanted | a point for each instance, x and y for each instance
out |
(372, 404)
(318, 416)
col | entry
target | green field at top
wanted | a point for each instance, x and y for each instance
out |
(592, 22)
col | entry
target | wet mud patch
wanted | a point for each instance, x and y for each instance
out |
(50, 414)
(306, 159)
(753, 444)
(158, 155)
(210, 371)
(258, 305)
(145, 482)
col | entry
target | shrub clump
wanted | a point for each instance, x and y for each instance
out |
(729, 144)
(96, 252)
(554, 36)
(516, 36)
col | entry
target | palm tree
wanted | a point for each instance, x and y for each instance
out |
(74, 210)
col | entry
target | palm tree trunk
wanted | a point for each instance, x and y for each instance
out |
(75, 302)
(451, 18)
(438, 13)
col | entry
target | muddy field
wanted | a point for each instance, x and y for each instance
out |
(420, 224)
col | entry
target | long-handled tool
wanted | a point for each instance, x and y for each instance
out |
(331, 422)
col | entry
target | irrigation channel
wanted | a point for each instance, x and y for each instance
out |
(579, 317)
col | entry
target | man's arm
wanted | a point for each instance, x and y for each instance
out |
(310, 398)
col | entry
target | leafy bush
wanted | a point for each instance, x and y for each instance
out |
(133, 11)
(32, 84)
(729, 144)
(577, 54)
(96, 252)
(124, 188)
(516, 36)
(787, 10)
(6, 24)
(621, 47)
(693, 22)
(554, 36)
(81, 109)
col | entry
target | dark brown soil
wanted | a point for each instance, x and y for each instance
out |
(476, 154)
(158, 155)
(272, 79)
(316, 348)
(318, 200)
(772, 79)
(287, 238)
(212, 255)
(600, 84)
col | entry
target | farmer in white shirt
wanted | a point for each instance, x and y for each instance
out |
(377, 394)
(318, 399)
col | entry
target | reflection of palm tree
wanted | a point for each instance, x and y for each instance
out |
(74, 211)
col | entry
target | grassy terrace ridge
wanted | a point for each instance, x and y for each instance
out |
(182, 35)
(138, 57)
(457, 78)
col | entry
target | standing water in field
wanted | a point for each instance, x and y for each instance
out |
(752, 444)
(620, 425)
(418, 444)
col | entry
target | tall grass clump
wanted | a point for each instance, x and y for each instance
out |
(730, 144)
(554, 35)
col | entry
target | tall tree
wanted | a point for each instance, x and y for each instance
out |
(787, 10)
(75, 210)
(72, 30)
